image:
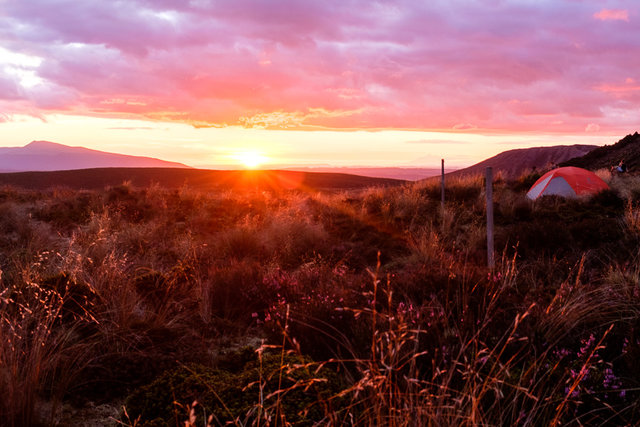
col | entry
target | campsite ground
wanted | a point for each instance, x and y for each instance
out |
(364, 307)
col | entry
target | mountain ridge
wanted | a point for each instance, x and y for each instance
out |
(513, 163)
(49, 156)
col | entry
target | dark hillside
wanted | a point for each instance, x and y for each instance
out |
(200, 179)
(628, 148)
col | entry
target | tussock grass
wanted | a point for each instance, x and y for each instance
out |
(38, 355)
(105, 293)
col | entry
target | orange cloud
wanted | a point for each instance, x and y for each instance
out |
(612, 15)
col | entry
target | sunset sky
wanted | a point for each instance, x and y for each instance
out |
(377, 83)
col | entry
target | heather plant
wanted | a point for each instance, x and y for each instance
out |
(313, 303)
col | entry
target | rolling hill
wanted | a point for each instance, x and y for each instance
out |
(513, 163)
(200, 179)
(50, 156)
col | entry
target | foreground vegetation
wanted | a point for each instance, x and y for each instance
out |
(360, 308)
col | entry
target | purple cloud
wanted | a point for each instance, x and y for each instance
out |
(496, 65)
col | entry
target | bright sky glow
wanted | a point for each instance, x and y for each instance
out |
(250, 159)
(395, 83)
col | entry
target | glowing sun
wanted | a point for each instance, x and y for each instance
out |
(250, 159)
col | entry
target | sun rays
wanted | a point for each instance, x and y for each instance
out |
(250, 159)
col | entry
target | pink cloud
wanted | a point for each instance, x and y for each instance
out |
(619, 89)
(612, 15)
(8, 87)
(336, 64)
(464, 126)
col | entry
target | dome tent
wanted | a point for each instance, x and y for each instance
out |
(567, 182)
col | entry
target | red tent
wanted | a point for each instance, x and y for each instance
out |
(567, 182)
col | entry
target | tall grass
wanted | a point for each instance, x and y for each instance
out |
(38, 354)
(104, 293)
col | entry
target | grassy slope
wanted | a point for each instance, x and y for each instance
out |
(103, 291)
(513, 163)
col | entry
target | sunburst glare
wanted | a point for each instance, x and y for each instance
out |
(250, 159)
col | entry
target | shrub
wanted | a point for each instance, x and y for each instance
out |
(524, 182)
(231, 292)
(311, 306)
(130, 204)
(66, 211)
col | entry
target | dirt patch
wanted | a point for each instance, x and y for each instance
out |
(90, 415)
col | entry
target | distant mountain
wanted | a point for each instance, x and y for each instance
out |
(627, 149)
(513, 163)
(49, 156)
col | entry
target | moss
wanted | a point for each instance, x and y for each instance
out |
(229, 395)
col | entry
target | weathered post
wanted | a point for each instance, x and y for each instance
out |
(442, 194)
(489, 193)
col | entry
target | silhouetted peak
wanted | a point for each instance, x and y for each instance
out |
(37, 144)
(45, 146)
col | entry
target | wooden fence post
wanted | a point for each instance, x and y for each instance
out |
(489, 193)
(442, 194)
